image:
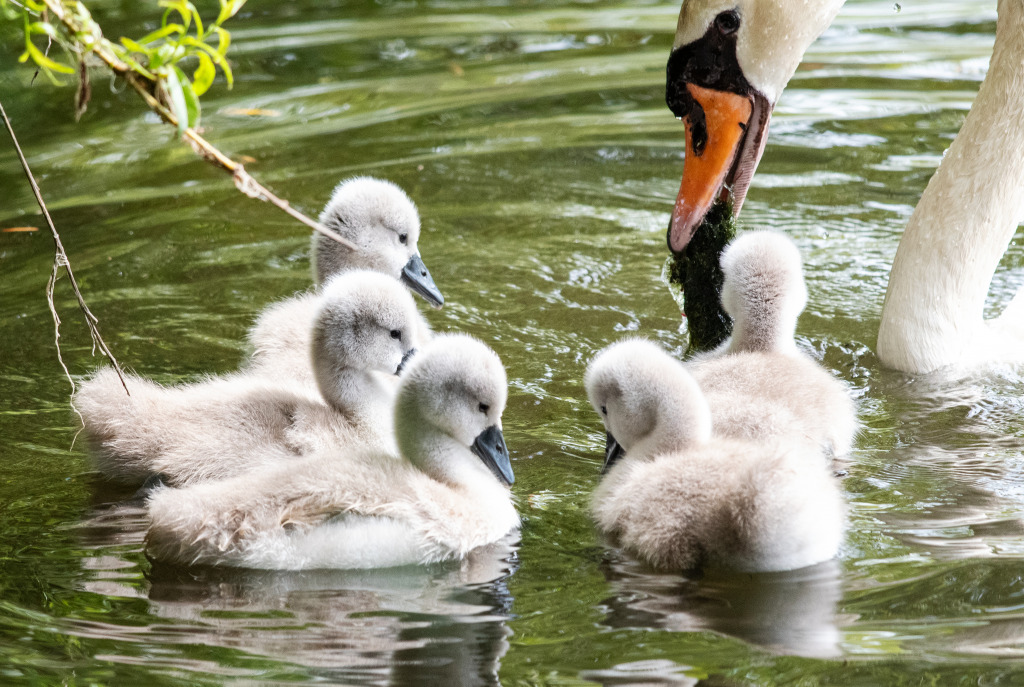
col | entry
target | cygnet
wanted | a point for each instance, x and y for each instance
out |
(446, 496)
(759, 372)
(380, 219)
(361, 336)
(681, 498)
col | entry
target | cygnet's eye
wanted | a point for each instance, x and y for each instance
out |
(728, 22)
(484, 408)
(404, 238)
(396, 334)
(604, 410)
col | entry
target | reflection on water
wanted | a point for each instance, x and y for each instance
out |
(787, 612)
(402, 626)
(534, 138)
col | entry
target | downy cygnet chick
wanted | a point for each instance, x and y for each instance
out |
(447, 495)
(759, 370)
(763, 292)
(380, 219)
(361, 337)
(681, 498)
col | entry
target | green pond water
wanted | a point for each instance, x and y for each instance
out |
(534, 138)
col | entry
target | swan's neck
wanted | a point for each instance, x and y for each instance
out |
(760, 337)
(932, 316)
(446, 460)
(683, 420)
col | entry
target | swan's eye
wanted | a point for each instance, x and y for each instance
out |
(728, 22)
(396, 334)
(604, 410)
(484, 408)
(404, 238)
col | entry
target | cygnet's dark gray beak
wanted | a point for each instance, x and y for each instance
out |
(612, 452)
(405, 360)
(490, 448)
(416, 276)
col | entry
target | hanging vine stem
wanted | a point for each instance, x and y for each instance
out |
(147, 88)
(60, 259)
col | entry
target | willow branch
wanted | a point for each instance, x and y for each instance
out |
(147, 89)
(60, 259)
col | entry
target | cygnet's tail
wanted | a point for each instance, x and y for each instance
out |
(192, 525)
(121, 435)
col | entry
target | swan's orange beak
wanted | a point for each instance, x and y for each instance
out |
(725, 137)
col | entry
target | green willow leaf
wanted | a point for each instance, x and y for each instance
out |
(44, 28)
(196, 18)
(162, 33)
(217, 58)
(228, 9)
(191, 98)
(176, 98)
(203, 77)
(45, 62)
(135, 47)
(223, 40)
(179, 6)
(162, 56)
(226, 68)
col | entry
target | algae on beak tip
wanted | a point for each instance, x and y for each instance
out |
(697, 272)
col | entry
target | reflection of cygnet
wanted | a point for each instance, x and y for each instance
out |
(681, 498)
(792, 612)
(447, 497)
(378, 217)
(362, 333)
(758, 381)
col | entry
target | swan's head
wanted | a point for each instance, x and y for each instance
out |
(454, 390)
(366, 321)
(764, 290)
(730, 61)
(649, 403)
(380, 219)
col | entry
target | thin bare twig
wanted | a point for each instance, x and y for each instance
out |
(146, 89)
(60, 259)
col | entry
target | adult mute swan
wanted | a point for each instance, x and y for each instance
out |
(379, 218)
(447, 496)
(933, 311)
(682, 498)
(363, 333)
(730, 61)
